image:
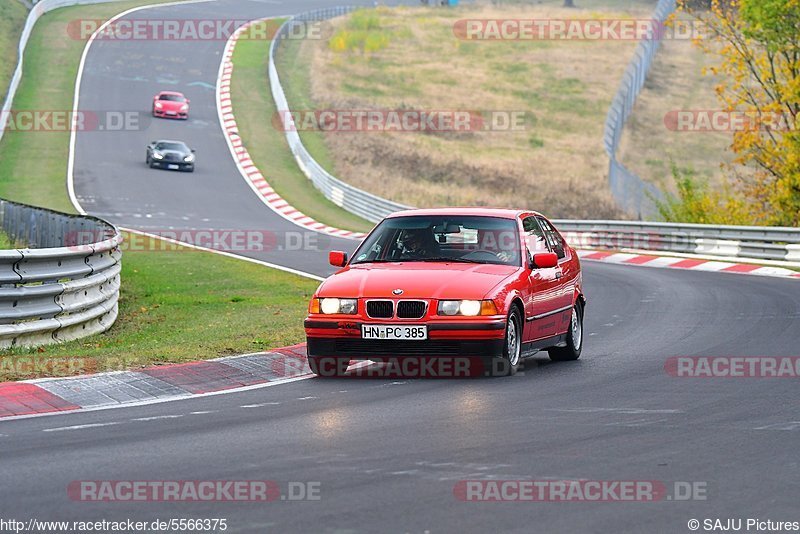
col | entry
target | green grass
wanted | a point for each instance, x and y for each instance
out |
(184, 305)
(5, 241)
(176, 305)
(255, 111)
(12, 19)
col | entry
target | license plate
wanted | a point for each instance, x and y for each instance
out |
(397, 332)
(173, 167)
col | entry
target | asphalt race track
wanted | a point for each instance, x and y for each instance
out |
(110, 175)
(388, 453)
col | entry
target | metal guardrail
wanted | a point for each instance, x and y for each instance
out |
(366, 205)
(64, 284)
(752, 242)
(631, 193)
(40, 8)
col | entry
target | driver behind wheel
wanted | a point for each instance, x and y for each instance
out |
(417, 243)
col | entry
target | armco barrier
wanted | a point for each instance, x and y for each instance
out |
(752, 242)
(366, 205)
(40, 8)
(63, 282)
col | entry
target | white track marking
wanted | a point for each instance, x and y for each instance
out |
(226, 254)
(156, 417)
(79, 427)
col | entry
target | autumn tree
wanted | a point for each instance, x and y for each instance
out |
(757, 43)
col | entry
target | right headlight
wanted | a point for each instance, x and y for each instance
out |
(330, 306)
(469, 308)
(157, 155)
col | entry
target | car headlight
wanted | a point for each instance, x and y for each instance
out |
(330, 306)
(158, 155)
(159, 105)
(185, 107)
(469, 308)
(189, 158)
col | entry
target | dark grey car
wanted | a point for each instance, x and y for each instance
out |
(173, 155)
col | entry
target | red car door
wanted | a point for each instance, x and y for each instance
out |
(566, 275)
(544, 287)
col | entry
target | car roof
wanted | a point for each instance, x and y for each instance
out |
(176, 93)
(485, 212)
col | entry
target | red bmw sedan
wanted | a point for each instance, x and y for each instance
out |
(489, 286)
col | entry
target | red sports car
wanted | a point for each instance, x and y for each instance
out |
(170, 104)
(483, 285)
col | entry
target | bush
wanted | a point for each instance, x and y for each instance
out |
(697, 203)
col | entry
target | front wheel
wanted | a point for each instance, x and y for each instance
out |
(511, 362)
(574, 338)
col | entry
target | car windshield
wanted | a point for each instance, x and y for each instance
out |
(172, 98)
(442, 238)
(179, 147)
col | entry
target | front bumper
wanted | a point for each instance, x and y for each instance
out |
(164, 114)
(182, 165)
(342, 338)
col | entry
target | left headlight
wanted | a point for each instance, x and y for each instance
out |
(330, 306)
(185, 107)
(189, 158)
(469, 308)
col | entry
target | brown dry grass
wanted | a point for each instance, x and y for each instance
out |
(556, 164)
(675, 82)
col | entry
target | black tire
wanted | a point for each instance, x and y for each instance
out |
(574, 338)
(328, 366)
(511, 361)
(147, 159)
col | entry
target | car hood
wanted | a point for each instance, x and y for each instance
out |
(417, 280)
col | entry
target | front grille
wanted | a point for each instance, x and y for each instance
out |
(172, 157)
(380, 309)
(411, 309)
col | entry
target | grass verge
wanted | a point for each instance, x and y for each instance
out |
(176, 305)
(12, 19)
(181, 305)
(255, 111)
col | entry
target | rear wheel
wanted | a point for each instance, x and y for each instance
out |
(574, 338)
(511, 362)
(328, 366)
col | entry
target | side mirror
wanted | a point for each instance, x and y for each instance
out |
(338, 258)
(193, 151)
(544, 260)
